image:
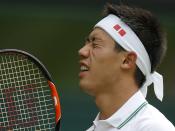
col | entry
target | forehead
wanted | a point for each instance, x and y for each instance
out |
(100, 33)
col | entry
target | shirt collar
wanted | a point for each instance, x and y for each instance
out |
(122, 116)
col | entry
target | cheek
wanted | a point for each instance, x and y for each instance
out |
(106, 67)
(102, 71)
(105, 60)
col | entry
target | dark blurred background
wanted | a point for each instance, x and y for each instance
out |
(54, 30)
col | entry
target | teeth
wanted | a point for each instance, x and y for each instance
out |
(83, 68)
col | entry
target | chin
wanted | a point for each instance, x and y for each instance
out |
(86, 87)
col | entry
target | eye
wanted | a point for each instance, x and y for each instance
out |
(87, 40)
(93, 39)
(94, 45)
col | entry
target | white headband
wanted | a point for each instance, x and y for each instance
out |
(126, 38)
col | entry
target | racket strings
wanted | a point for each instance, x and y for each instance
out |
(25, 101)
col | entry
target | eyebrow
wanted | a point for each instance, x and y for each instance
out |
(93, 37)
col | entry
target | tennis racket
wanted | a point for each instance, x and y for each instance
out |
(28, 97)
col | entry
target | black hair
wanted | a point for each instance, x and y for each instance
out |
(147, 28)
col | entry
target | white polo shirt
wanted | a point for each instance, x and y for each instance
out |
(135, 115)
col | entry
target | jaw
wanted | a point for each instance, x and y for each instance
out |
(87, 85)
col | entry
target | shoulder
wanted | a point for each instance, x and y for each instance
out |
(152, 125)
(151, 119)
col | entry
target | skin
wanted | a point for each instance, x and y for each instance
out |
(110, 76)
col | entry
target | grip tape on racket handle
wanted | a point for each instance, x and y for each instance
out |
(56, 101)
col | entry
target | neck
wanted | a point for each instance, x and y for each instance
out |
(109, 103)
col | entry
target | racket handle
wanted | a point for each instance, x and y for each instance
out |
(56, 101)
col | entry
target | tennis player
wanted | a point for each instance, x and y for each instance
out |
(118, 62)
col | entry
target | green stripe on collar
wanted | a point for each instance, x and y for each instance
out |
(132, 115)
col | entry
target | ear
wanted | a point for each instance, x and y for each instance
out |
(129, 60)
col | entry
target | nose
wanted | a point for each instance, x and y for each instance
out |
(84, 51)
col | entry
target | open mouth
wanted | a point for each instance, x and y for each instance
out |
(84, 68)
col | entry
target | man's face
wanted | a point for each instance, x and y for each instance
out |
(99, 63)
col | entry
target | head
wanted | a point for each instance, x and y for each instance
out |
(104, 63)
